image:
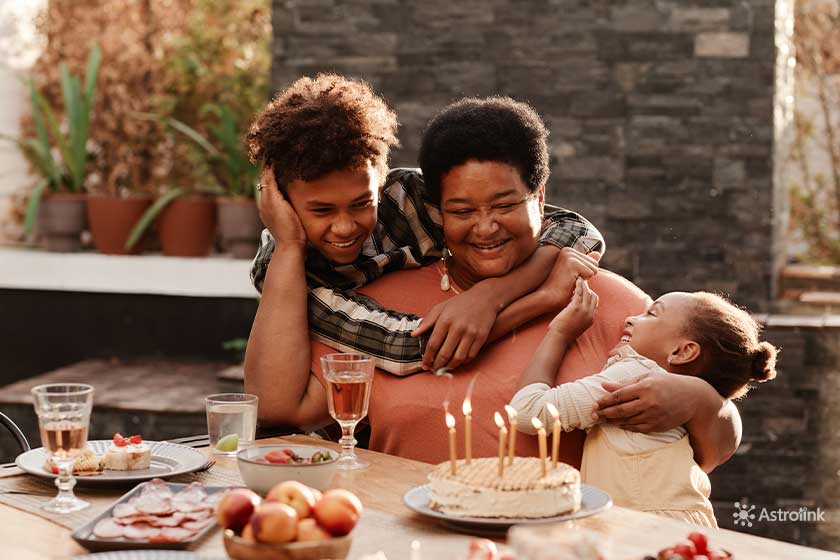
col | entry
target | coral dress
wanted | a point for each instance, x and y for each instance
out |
(406, 414)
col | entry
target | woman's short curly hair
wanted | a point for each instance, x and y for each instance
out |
(320, 125)
(497, 129)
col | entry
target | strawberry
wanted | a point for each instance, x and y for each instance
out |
(685, 549)
(700, 541)
(119, 440)
(55, 469)
(135, 440)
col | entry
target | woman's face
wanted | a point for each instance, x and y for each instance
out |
(337, 211)
(491, 222)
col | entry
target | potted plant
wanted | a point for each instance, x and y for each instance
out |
(60, 155)
(239, 221)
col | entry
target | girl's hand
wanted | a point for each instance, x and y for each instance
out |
(278, 215)
(578, 314)
(570, 265)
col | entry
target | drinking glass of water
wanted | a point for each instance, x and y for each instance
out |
(348, 392)
(63, 411)
(231, 421)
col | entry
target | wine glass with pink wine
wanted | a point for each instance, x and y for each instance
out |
(63, 411)
(348, 393)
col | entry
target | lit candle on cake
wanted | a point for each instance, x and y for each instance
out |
(502, 441)
(511, 412)
(450, 423)
(543, 445)
(467, 410)
(555, 433)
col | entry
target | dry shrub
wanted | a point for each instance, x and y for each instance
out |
(130, 154)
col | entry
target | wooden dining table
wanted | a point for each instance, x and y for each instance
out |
(389, 526)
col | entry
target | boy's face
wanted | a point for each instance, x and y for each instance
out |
(337, 211)
(661, 328)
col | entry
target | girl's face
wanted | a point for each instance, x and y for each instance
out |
(660, 331)
(337, 211)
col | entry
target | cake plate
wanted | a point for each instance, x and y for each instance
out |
(592, 502)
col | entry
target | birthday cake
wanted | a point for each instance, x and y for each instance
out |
(476, 490)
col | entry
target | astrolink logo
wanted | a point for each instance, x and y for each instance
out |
(744, 515)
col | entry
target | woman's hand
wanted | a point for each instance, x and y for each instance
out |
(568, 267)
(277, 214)
(460, 327)
(578, 315)
(652, 402)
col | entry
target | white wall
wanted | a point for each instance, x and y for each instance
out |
(19, 47)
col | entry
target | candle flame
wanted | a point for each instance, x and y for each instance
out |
(467, 407)
(511, 412)
(450, 421)
(499, 421)
(537, 423)
(552, 410)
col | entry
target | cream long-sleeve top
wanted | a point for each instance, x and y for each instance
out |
(576, 401)
(653, 472)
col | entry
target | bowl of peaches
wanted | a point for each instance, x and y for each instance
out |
(264, 466)
(293, 522)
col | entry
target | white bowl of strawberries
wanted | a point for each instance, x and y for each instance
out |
(293, 522)
(264, 466)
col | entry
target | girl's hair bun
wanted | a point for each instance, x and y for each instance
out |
(764, 362)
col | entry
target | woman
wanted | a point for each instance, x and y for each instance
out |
(487, 162)
(330, 136)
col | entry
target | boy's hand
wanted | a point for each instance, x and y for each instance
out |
(461, 327)
(578, 315)
(277, 214)
(569, 266)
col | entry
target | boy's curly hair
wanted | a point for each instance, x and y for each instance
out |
(320, 125)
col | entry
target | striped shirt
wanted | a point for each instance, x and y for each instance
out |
(408, 234)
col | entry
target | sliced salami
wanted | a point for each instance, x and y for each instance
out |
(173, 520)
(198, 514)
(158, 505)
(125, 509)
(140, 531)
(176, 533)
(108, 529)
(197, 525)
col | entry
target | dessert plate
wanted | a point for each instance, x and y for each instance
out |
(168, 459)
(592, 501)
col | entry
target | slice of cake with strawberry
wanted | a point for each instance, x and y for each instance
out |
(127, 454)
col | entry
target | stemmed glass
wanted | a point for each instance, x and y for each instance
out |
(348, 392)
(63, 411)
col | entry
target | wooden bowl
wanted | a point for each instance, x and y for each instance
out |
(333, 549)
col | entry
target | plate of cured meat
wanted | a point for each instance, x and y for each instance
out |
(155, 514)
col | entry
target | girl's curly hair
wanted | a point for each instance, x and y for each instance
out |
(320, 125)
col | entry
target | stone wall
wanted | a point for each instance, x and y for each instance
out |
(790, 454)
(661, 112)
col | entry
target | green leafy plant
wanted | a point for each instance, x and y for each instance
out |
(68, 171)
(229, 164)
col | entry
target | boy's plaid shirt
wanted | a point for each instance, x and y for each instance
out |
(408, 234)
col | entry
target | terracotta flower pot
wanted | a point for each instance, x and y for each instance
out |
(187, 226)
(61, 221)
(239, 226)
(111, 220)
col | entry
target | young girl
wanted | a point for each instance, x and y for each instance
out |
(698, 334)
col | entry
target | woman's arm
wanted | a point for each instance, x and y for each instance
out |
(277, 360)
(656, 403)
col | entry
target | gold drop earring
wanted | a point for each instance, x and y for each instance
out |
(445, 284)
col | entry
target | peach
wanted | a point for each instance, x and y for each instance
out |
(274, 523)
(309, 530)
(338, 511)
(295, 494)
(235, 508)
